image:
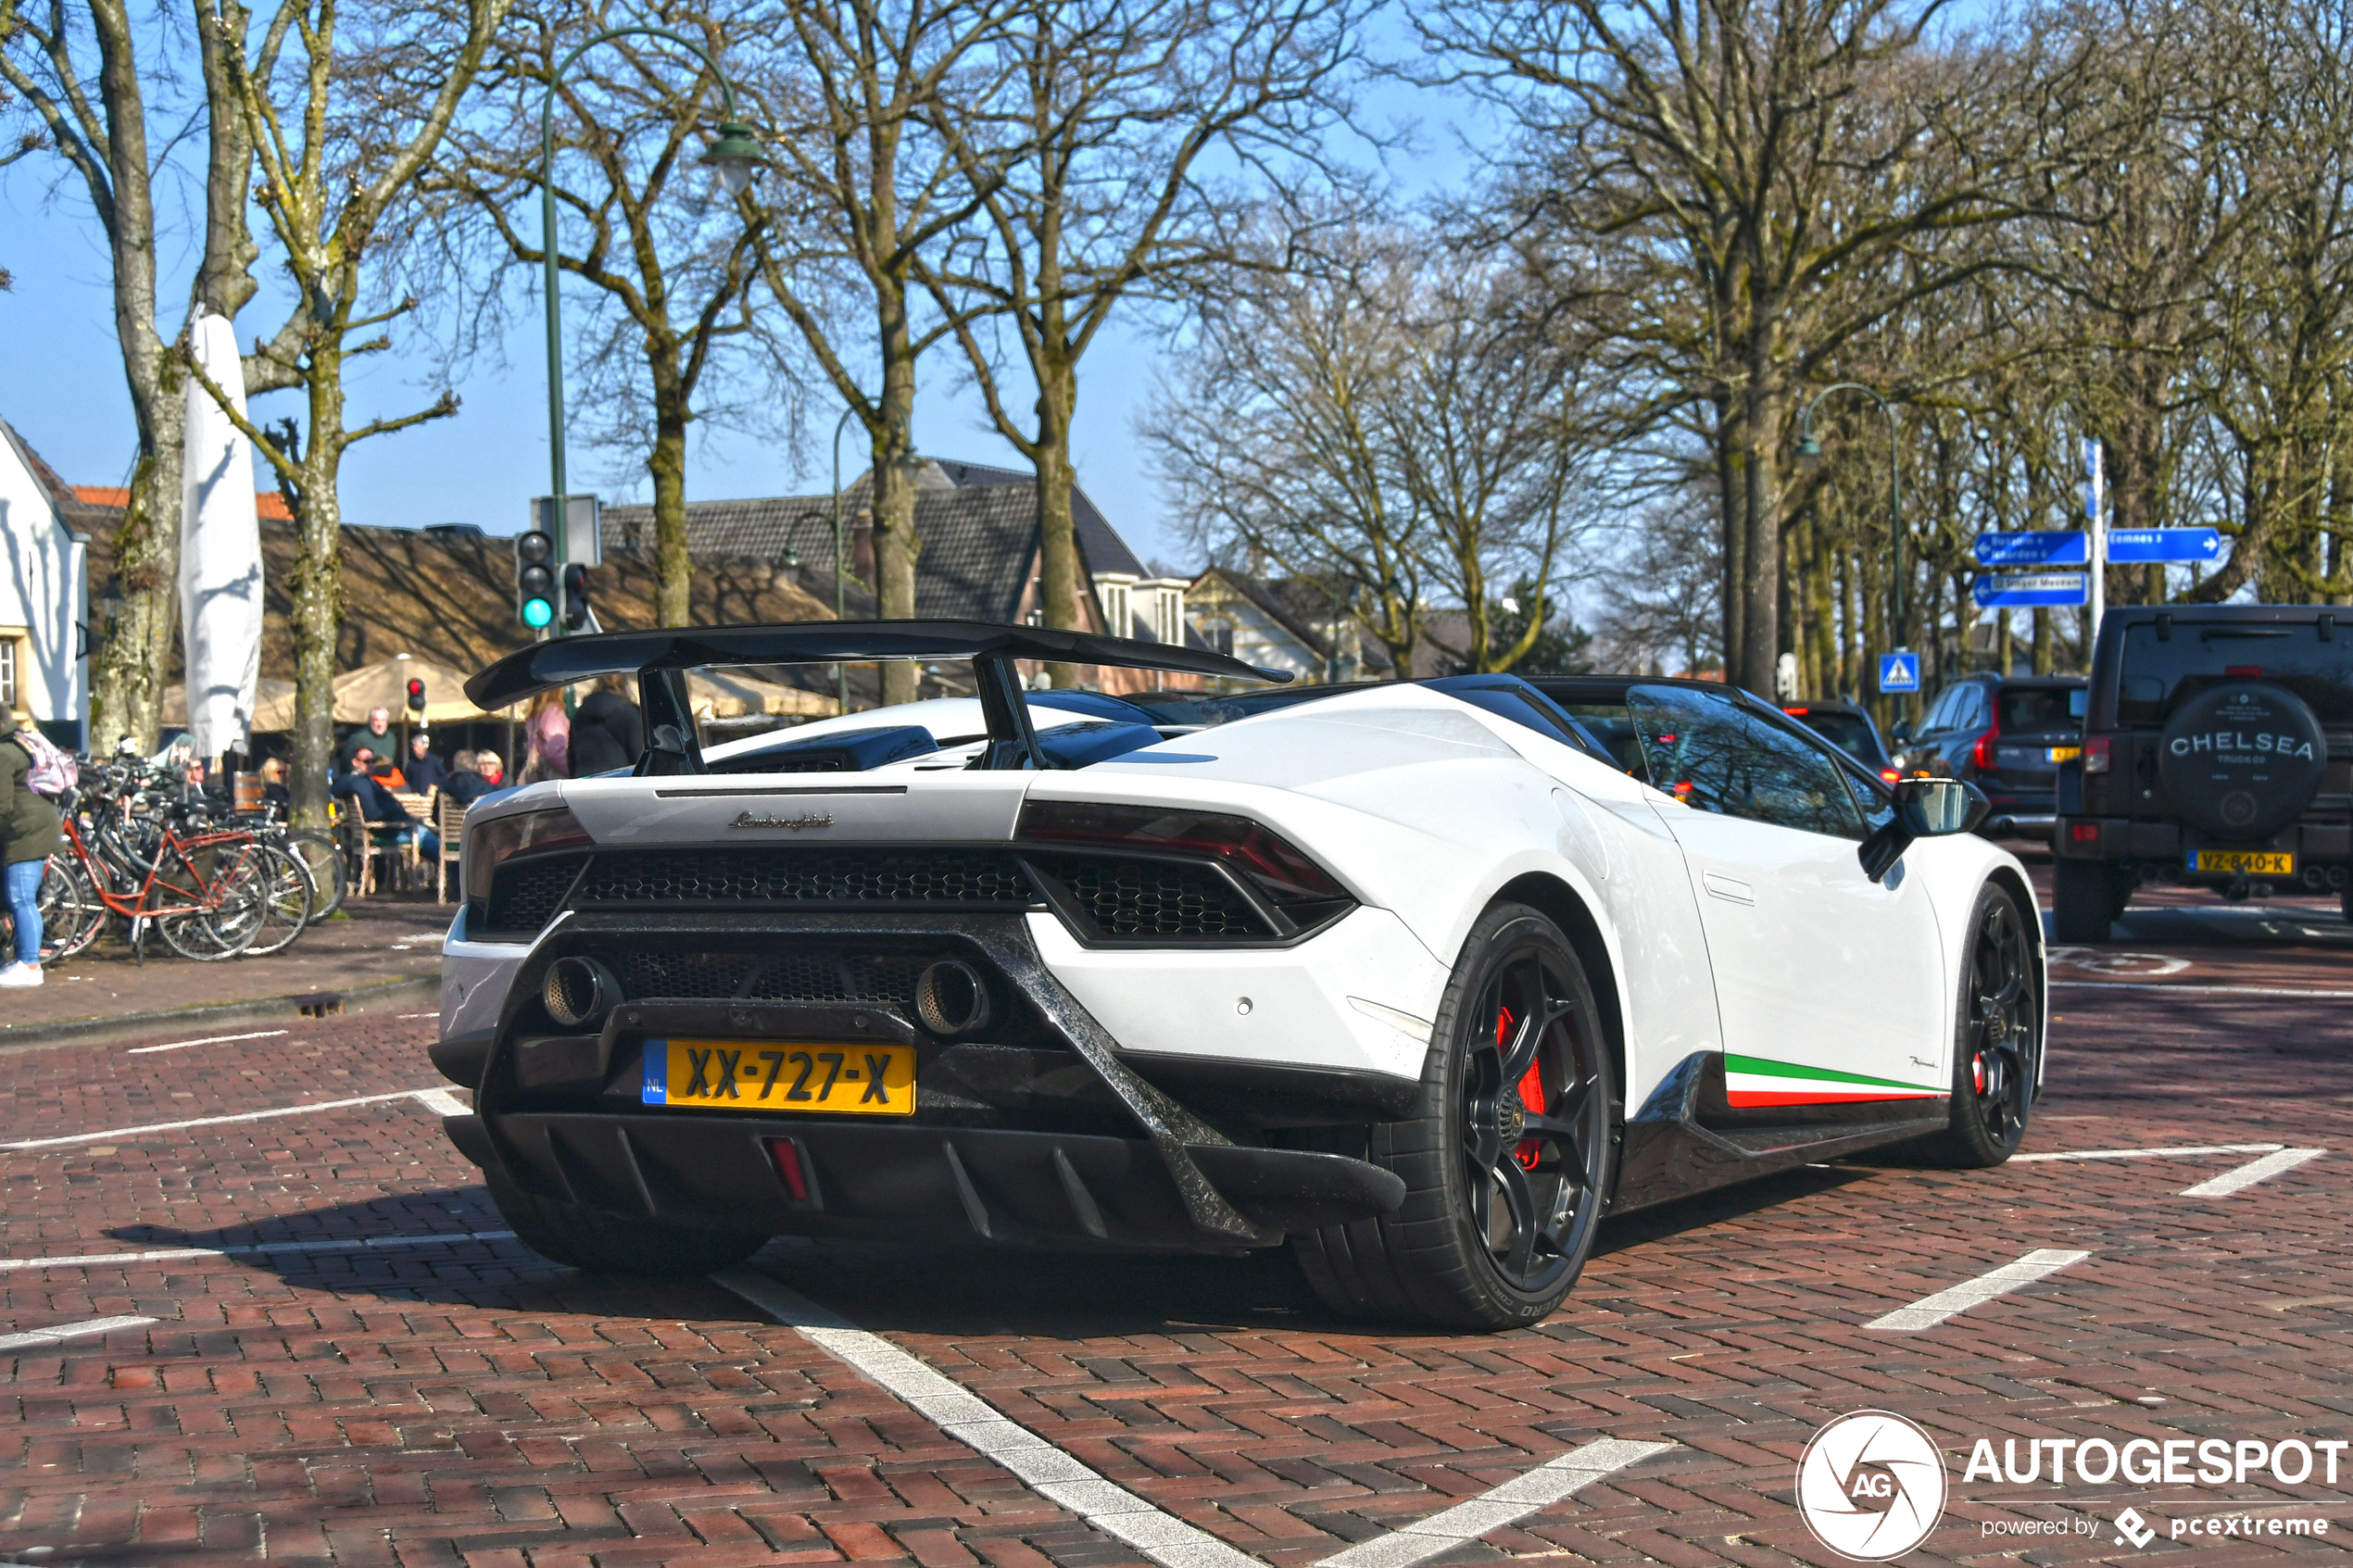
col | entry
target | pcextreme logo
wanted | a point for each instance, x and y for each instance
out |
(1870, 1485)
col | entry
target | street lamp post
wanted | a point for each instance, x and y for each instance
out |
(841, 671)
(1809, 452)
(733, 155)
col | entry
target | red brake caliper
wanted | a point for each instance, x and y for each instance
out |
(1532, 1094)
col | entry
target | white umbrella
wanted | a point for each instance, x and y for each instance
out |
(219, 552)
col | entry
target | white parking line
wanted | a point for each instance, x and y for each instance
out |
(1050, 1472)
(167, 1254)
(1507, 1504)
(66, 1331)
(1160, 1536)
(434, 1099)
(1930, 1310)
(2201, 990)
(208, 1040)
(2150, 1153)
(2252, 1171)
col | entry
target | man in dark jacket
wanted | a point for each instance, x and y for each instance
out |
(34, 833)
(607, 731)
(424, 771)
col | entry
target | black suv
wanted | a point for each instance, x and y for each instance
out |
(2217, 751)
(2005, 734)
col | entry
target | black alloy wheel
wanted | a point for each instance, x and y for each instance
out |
(1508, 1158)
(1997, 1046)
(1535, 1123)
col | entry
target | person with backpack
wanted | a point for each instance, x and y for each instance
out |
(31, 831)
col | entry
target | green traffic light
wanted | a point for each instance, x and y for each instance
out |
(537, 613)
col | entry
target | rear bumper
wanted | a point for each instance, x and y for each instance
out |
(1042, 1131)
(897, 1182)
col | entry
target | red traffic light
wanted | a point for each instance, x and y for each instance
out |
(416, 695)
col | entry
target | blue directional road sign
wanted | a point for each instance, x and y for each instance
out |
(2033, 590)
(2132, 545)
(2057, 546)
(1899, 671)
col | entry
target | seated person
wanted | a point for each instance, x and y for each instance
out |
(274, 784)
(362, 782)
(477, 773)
(425, 772)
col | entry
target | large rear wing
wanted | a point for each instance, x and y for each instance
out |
(660, 659)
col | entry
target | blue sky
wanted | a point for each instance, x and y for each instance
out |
(65, 392)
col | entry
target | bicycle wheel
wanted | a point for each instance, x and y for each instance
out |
(283, 907)
(71, 914)
(321, 857)
(232, 912)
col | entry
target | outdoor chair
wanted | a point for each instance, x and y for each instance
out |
(449, 820)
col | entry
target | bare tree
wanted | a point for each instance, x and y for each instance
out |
(1272, 438)
(341, 129)
(93, 116)
(1394, 421)
(673, 265)
(1768, 181)
(851, 96)
(1115, 108)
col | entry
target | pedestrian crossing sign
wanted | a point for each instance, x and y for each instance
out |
(1899, 671)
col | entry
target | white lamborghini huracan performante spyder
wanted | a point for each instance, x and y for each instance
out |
(1423, 978)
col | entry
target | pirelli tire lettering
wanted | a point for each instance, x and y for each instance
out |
(2241, 760)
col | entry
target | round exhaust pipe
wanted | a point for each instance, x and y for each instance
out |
(579, 992)
(951, 997)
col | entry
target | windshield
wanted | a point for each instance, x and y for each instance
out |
(2159, 673)
(2040, 708)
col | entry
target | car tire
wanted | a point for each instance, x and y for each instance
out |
(2086, 900)
(1502, 1200)
(1997, 1041)
(599, 1243)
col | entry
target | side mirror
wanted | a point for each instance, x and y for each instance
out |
(1902, 733)
(1924, 808)
(1936, 807)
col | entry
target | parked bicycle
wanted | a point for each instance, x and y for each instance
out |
(145, 847)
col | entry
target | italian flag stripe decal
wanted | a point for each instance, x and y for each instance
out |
(1758, 1081)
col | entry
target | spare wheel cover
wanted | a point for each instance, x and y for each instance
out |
(2241, 760)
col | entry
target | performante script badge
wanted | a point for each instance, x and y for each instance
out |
(1870, 1485)
(809, 819)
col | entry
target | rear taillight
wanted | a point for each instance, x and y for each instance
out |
(488, 844)
(2085, 832)
(1889, 774)
(1270, 863)
(1982, 752)
(2095, 754)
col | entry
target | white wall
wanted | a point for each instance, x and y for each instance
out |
(45, 588)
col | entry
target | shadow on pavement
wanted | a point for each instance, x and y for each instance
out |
(923, 1286)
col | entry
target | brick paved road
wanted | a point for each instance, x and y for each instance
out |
(465, 1402)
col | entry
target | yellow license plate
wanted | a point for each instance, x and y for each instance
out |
(845, 1080)
(2061, 753)
(2242, 862)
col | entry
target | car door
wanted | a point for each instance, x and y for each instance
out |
(1829, 985)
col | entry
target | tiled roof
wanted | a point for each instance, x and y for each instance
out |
(268, 504)
(1298, 605)
(1097, 541)
(978, 528)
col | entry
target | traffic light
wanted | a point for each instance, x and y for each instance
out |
(416, 695)
(575, 597)
(534, 579)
